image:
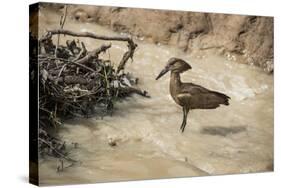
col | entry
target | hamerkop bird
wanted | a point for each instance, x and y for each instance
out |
(188, 95)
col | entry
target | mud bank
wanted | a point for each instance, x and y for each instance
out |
(247, 38)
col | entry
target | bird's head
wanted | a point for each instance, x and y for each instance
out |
(175, 65)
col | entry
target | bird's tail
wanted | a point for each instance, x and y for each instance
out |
(224, 98)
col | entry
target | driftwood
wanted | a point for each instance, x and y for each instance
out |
(76, 82)
(93, 55)
(127, 55)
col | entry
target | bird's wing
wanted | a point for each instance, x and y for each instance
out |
(193, 89)
(202, 97)
(184, 98)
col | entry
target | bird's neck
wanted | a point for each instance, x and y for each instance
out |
(175, 81)
(175, 77)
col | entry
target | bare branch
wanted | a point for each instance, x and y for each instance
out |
(131, 45)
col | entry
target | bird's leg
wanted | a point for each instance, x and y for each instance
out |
(185, 112)
(183, 119)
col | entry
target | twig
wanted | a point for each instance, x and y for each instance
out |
(83, 66)
(131, 45)
(62, 21)
(64, 16)
(86, 34)
(55, 150)
(83, 50)
(137, 91)
(63, 67)
(94, 54)
(106, 80)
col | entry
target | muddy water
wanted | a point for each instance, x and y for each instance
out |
(231, 139)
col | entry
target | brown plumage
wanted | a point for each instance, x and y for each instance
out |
(188, 95)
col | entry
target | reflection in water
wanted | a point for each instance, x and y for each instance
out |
(231, 139)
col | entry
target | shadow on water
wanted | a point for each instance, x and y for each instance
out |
(223, 131)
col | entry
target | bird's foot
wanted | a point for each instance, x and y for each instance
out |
(183, 126)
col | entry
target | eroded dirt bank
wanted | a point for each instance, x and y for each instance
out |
(248, 38)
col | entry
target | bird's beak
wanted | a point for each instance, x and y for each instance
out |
(164, 71)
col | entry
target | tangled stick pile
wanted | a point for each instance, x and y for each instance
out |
(76, 82)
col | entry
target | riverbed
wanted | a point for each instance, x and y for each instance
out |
(231, 139)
